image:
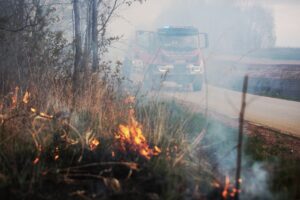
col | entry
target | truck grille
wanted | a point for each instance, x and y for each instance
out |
(179, 69)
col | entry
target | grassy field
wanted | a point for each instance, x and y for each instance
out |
(278, 81)
(277, 54)
(47, 153)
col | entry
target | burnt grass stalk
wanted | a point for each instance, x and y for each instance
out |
(177, 173)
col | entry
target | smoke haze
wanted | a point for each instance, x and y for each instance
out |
(223, 20)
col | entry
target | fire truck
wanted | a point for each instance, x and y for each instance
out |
(171, 54)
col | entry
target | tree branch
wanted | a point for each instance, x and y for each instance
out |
(18, 29)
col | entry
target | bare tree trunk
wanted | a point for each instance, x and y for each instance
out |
(78, 46)
(87, 43)
(95, 35)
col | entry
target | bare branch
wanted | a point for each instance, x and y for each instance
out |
(18, 29)
(115, 6)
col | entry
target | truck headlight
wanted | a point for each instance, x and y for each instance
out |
(164, 68)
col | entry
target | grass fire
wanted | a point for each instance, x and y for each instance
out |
(148, 100)
(130, 137)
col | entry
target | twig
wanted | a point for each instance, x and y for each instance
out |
(80, 138)
(240, 138)
(84, 175)
(130, 165)
(18, 29)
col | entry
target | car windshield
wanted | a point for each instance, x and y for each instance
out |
(179, 43)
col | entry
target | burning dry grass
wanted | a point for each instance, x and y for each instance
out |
(129, 148)
(110, 147)
(130, 137)
(41, 137)
(119, 146)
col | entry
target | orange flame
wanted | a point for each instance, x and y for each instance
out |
(14, 98)
(45, 115)
(228, 190)
(226, 187)
(94, 143)
(131, 137)
(156, 151)
(26, 97)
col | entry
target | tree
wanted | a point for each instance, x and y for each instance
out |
(95, 34)
(28, 48)
(78, 49)
(98, 16)
(32, 46)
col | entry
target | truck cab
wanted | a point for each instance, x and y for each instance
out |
(168, 54)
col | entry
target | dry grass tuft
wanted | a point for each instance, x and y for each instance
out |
(49, 136)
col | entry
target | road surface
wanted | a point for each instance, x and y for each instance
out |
(278, 114)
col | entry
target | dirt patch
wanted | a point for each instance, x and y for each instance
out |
(286, 146)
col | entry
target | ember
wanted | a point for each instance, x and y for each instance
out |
(36, 160)
(56, 153)
(45, 115)
(33, 110)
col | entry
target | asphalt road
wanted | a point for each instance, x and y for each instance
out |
(278, 114)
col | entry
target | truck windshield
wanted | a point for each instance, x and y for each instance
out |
(179, 43)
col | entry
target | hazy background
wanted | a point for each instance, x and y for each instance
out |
(231, 24)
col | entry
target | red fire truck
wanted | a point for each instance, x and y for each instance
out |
(170, 54)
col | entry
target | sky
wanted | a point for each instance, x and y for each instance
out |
(144, 16)
(287, 24)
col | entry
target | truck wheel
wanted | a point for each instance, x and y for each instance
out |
(197, 84)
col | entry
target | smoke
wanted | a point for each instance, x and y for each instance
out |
(222, 19)
(221, 142)
(231, 27)
(256, 185)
